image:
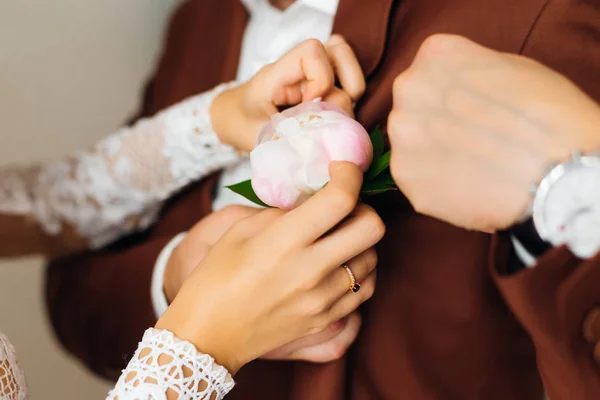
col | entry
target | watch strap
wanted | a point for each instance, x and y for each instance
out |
(527, 235)
(527, 246)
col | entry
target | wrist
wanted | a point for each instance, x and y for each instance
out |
(204, 336)
(229, 118)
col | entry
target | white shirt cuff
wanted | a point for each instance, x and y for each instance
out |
(526, 258)
(157, 292)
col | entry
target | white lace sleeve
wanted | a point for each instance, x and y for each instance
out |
(119, 185)
(164, 364)
(12, 379)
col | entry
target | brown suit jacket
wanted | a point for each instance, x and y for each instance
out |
(445, 322)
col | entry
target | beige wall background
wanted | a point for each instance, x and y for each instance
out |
(70, 72)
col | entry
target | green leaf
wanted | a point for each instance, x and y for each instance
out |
(378, 166)
(385, 177)
(245, 189)
(373, 188)
(374, 192)
(377, 142)
(382, 183)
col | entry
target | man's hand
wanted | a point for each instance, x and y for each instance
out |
(198, 240)
(472, 129)
(591, 331)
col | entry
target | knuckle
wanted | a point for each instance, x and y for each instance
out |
(345, 99)
(313, 47)
(342, 200)
(234, 208)
(273, 213)
(241, 228)
(341, 98)
(436, 43)
(237, 212)
(376, 227)
(408, 88)
(399, 82)
(359, 90)
(315, 306)
(407, 132)
(372, 259)
(336, 39)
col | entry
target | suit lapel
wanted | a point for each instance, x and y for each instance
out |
(364, 24)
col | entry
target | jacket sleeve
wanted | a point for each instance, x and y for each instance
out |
(552, 299)
(99, 302)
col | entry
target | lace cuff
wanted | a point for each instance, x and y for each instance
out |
(119, 185)
(165, 364)
(12, 379)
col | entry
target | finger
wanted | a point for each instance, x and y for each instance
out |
(306, 62)
(334, 348)
(341, 99)
(260, 222)
(210, 229)
(453, 52)
(346, 67)
(324, 210)
(361, 231)
(591, 326)
(351, 301)
(338, 282)
(285, 352)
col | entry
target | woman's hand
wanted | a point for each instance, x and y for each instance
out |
(275, 277)
(197, 242)
(324, 346)
(305, 73)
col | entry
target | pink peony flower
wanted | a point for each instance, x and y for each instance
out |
(291, 158)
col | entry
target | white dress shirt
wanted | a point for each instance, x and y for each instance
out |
(270, 33)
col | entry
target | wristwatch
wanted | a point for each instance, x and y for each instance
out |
(565, 210)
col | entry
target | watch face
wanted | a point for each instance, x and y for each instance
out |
(566, 209)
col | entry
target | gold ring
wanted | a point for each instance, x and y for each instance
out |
(354, 285)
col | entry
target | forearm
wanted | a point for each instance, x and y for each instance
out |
(117, 187)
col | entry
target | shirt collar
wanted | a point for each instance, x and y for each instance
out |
(328, 7)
